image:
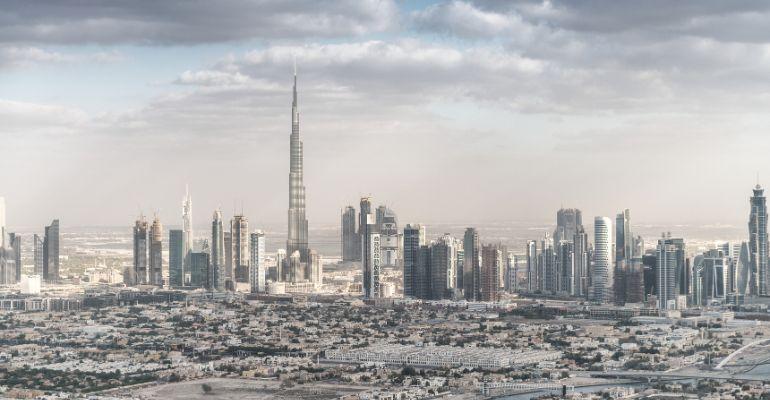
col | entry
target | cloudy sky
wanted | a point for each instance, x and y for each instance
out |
(446, 111)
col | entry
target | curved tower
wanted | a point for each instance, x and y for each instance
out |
(297, 236)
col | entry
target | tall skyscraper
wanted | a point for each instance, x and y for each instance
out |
(187, 238)
(624, 241)
(549, 269)
(141, 247)
(414, 237)
(532, 257)
(298, 236)
(582, 262)
(14, 242)
(365, 208)
(239, 229)
(229, 266)
(316, 272)
(758, 243)
(471, 265)
(350, 248)
(602, 269)
(199, 269)
(568, 222)
(257, 269)
(565, 260)
(37, 255)
(672, 271)
(156, 253)
(371, 258)
(51, 252)
(217, 274)
(176, 272)
(280, 265)
(490, 260)
(387, 226)
(443, 263)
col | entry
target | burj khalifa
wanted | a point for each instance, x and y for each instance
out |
(297, 238)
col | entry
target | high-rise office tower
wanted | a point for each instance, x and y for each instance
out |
(51, 252)
(281, 269)
(602, 270)
(471, 265)
(37, 254)
(547, 267)
(387, 226)
(671, 271)
(239, 229)
(459, 279)
(257, 268)
(141, 247)
(532, 257)
(199, 269)
(371, 258)
(743, 270)
(414, 237)
(350, 248)
(365, 208)
(758, 243)
(315, 275)
(229, 268)
(187, 239)
(710, 277)
(14, 242)
(624, 241)
(298, 235)
(443, 263)
(217, 273)
(156, 253)
(490, 259)
(634, 281)
(568, 222)
(176, 272)
(295, 272)
(582, 262)
(565, 260)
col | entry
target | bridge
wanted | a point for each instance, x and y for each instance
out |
(736, 353)
(677, 375)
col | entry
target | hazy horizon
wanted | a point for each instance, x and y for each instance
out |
(445, 111)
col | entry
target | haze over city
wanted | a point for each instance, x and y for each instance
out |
(462, 111)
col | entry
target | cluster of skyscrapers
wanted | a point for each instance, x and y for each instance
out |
(45, 252)
(232, 256)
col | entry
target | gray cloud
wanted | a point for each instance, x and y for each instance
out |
(147, 22)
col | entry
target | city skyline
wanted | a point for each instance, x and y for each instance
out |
(189, 100)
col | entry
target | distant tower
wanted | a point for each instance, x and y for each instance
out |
(365, 208)
(443, 259)
(602, 270)
(672, 271)
(532, 278)
(491, 257)
(51, 252)
(217, 270)
(140, 276)
(414, 237)
(37, 255)
(387, 226)
(350, 247)
(298, 232)
(239, 228)
(257, 267)
(471, 265)
(758, 277)
(176, 272)
(371, 258)
(187, 229)
(156, 253)
(624, 240)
